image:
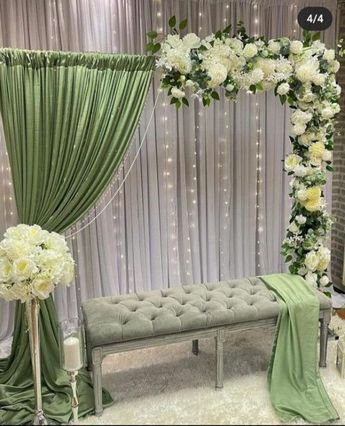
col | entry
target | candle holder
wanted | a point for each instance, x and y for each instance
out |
(72, 357)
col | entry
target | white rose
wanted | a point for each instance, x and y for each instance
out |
(67, 273)
(230, 87)
(177, 93)
(335, 107)
(250, 50)
(327, 113)
(17, 292)
(300, 219)
(16, 232)
(299, 129)
(319, 79)
(235, 44)
(327, 155)
(334, 66)
(191, 41)
(24, 268)
(311, 279)
(189, 83)
(292, 161)
(301, 171)
(296, 47)
(274, 46)
(302, 194)
(174, 41)
(324, 280)
(42, 287)
(301, 117)
(15, 248)
(218, 74)
(5, 270)
(35, 235)
(294, 228)
(283, 89)
(56, 242)
(312, 260)
(329, 54)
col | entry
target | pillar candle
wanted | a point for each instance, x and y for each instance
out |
(71, 347)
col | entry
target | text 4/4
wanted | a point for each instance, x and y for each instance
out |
(315, 18)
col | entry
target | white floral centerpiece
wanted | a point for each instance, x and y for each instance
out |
(301, 73)
(32, 262)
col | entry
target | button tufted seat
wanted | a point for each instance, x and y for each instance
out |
(115, 324)
(155, 313)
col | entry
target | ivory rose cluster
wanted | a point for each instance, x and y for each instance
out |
(32, 262)
(301, 74)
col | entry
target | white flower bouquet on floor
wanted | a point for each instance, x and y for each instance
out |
(32, 262)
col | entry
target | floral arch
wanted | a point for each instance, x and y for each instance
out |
(302, 74)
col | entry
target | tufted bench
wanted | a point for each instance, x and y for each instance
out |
(136, 321)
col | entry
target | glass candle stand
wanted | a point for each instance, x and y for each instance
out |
(71, 345)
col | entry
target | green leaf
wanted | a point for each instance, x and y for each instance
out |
(227, 29)
(173, 101)
(288, 258)
(215, 95)
(316, 36)
(149, 47)
(152, 34)
(206, 101)
(184, 100)
(259, 86)
(178, 104)
(172, 21)
(329, 168)
(156, 48)
(252, 88)
(218, 34)
(282, 99)
(183, 24)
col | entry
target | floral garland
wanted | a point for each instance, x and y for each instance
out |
(301, 74)
(32, 262)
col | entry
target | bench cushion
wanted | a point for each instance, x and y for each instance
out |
(191, 307)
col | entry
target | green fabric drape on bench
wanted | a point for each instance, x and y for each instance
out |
(68, 119)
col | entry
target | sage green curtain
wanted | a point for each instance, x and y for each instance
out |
(68, 119)
(294, 379)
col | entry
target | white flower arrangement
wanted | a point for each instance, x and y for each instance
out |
(301, 74)
(32, 262)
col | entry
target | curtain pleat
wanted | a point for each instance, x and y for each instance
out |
(68, 119)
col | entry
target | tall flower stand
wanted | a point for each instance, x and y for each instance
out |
(32, 314)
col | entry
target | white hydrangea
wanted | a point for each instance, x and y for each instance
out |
(218, 74)
(306, 70)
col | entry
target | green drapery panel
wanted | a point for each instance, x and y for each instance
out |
(68, 120)
(293, 376)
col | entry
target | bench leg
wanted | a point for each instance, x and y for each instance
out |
(195, 347)
(219, 359)
(324, 322)
(97, 357)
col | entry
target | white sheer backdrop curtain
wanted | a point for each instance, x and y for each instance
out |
(207, 199)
